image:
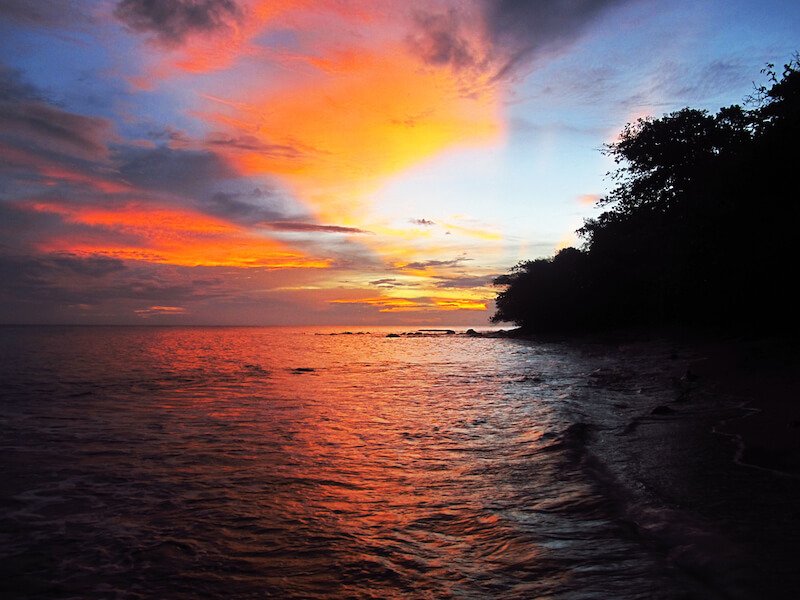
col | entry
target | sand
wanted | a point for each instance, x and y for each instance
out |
(710, 460)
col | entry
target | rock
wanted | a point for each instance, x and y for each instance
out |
(393, 335)
(662, 410)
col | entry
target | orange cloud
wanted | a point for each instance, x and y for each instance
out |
(171, 236)
(219, 47)
(53, 172)
(56, 174)
(588, 199)
(390, 304)
(160, 310)
(371, 113)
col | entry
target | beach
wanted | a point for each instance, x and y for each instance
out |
(706, 449)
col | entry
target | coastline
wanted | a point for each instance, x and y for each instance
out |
(760, 376)
(702, 456)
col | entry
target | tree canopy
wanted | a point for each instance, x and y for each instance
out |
(699, 228)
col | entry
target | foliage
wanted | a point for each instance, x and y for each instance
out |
(699, 228)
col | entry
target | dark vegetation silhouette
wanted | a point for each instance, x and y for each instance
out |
(700, 230)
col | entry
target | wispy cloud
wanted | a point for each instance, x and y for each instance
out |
(28, 121)
(466, 281)
(442, 39)
(151, 311)
(520, 30)
(298, 226)
(427, 264)
(44, 14)
(250, 143)
(416, 304)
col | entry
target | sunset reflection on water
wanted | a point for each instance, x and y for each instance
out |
(247, 462)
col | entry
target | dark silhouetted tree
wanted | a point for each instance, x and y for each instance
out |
(699, 227)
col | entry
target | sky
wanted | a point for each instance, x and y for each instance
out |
(330, 162)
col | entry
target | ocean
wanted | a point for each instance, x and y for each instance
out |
(297, 463)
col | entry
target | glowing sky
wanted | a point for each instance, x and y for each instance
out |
(328, 162)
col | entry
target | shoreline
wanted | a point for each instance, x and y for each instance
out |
(760, 376)
(704, 456)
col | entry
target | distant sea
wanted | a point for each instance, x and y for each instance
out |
(292, 463)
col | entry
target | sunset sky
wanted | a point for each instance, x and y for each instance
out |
(328, 162)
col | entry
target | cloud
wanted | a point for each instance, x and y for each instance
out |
(351, 124)
(94, 266)
(679, 83)
(171, 21)
(501, 37)
(42, 14)
(589, 199)
(422, 265)
(392, 282)
(63, 191)
(188, 172)
(167, 235)
(159, 310)
(302, 227)
(257, 206)
(438, 39)
(519, 29)
(389, 304)
(28, 121)
(466, 281)
(252, 144)
(523, 128)
(425, 222)
(47, 268)
(67, 288)
(387, 282)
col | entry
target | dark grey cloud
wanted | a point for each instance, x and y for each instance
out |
(466, 281)
(256, 206)
(14, 89)
(435, 263)
(425, 222)
(519, 29)
(385, 282)
(23, 229)
(187, 172)
(253, 144)
(516, 33)
(59, 278)
(300, 226)
(28, 121)
(170, 21)
(391, 282)
(175, 137)
(32, 270)
(66, 288)
(94, 266)
(437, 38)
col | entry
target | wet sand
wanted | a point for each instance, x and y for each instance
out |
(707, 453)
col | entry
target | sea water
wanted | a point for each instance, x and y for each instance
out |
(290, 463)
